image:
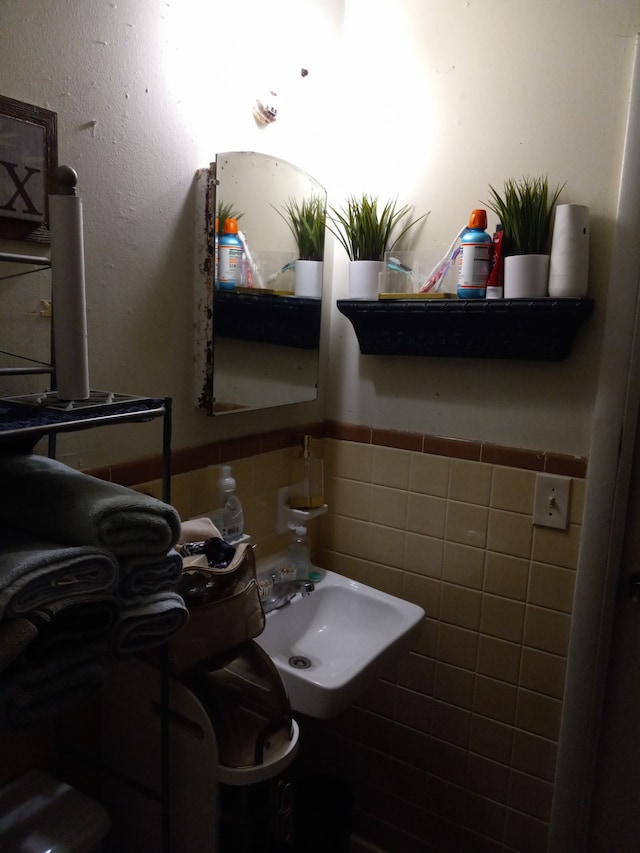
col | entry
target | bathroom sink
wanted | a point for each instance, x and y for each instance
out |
(330, 645)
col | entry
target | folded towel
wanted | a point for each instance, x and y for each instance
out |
(144, 574)
(47, 498)
(35, 572)
(148, 622)
(71, 619)
(32, 694)
(16, 635)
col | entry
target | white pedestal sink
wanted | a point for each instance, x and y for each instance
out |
(330, 645)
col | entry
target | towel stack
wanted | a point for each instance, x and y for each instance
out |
(87, 568)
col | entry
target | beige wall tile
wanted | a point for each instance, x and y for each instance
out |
(463, 565)
(538, 714)
(425, 592)
(349, 459)
(495, 699)
(543, 672)
(426, 514)
(530, 795)
(454, 685)
(491, 738)
(489, 778)
(509, 533)
(386, 545)
(416, 672)
(550, 586)
(413, 709)
(389, 507)
(506, 575)
(450, 723)
(427, 642)
(391, 467)
(547, 630)
(498, 658)
(423, 555)
(457, 646)
(467, 524)
(485, 816)
(350, 498)
(460, 606)
(429, 474)
(470, 482)
(534, 755)
(556, 547)
(351, 536)
(524, 833)
(385, 579)
(576, 509)
(502, 618)
(271, 471)
(513, 490)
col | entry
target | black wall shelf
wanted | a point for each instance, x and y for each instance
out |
(535, 329)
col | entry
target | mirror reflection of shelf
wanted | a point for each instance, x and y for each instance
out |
(290, 321)
(288, 516)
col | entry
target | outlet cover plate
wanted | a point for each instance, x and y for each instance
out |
(551, 503)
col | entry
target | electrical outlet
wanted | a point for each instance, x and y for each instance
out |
(551, 504)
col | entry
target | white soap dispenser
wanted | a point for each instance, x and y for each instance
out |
(232, 514)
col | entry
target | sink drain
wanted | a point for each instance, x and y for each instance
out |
(299, 662)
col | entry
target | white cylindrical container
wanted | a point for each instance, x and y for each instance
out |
(526, 276)
(363, 279)
(569, 265)
(308, 279)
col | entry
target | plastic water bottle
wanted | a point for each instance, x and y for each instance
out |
(298, 552)
(474, 260)
(232, 514)
(230, 256)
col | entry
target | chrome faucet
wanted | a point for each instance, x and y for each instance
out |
(284, 590)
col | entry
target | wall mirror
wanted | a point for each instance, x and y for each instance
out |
(257, 342)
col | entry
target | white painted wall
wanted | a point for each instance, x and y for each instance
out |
(430, 100)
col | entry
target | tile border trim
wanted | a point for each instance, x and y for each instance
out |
(214, 453)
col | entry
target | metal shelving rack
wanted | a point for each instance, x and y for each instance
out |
(30, 417)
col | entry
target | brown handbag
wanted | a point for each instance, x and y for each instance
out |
(224, 609)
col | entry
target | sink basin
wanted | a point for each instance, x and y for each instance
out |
(330, 645)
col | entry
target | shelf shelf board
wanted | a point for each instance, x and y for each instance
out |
(535, 329)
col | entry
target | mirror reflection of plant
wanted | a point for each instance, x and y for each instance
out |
(226, 211)
(525, 210)
(364, 230)
(306, 221)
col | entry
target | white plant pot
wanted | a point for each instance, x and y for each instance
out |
(526, 276)
(569, 266)
(308, 279)
(363, 279)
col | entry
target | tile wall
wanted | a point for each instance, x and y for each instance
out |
(454, 749)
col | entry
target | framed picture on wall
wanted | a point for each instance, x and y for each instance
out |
(28, 160)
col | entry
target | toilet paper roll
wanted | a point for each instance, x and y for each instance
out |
(68, 297)
(569, 263)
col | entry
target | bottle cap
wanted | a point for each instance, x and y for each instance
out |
(231, 225)
(477, 220)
